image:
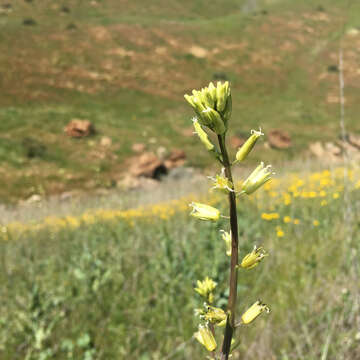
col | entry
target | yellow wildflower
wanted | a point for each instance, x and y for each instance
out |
(204, 212)
(215, 315)
(254, 311)
(287, 219)
(260, 176)
(252, 259)
(222, 183)
(205, 337)
(205, 288)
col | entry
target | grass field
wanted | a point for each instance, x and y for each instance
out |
(115, 284)
(125, 65)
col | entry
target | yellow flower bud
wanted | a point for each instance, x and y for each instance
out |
(204, 212)
(228, 110)
(208, 100)
(245, 149)
(252, 259)
(213, 120)
(205, 287)
(203, 135)
(257, 178)
(224, 101)
(222, 94)
(213, 106)
(212, 92)
(205, 337)
(254, 311)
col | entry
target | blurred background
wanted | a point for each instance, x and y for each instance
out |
(94, 129)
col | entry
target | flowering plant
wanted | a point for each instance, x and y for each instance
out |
(213, 107)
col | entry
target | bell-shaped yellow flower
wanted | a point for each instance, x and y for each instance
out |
(204, 212)
(252, 259)
(254, 311)
(257, 178)
(215, 315)
(221, 182)
(205, 337)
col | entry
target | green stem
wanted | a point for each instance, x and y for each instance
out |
(230, 323)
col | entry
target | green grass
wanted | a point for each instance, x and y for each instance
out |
(112, 290)
(127, 64)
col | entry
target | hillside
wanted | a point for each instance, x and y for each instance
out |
(125, 65)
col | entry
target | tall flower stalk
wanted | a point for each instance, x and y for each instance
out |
(213, 107)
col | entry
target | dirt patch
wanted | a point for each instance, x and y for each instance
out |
(198, 51)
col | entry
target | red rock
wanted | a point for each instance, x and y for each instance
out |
(176, 158)
(79, 128)
(147, 165)
(279, 139)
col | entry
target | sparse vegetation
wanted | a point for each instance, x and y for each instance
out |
(123, 65)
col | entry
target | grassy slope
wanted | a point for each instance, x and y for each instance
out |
(127, 64)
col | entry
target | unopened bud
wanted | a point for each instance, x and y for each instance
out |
(203, 135)
(245, 149)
